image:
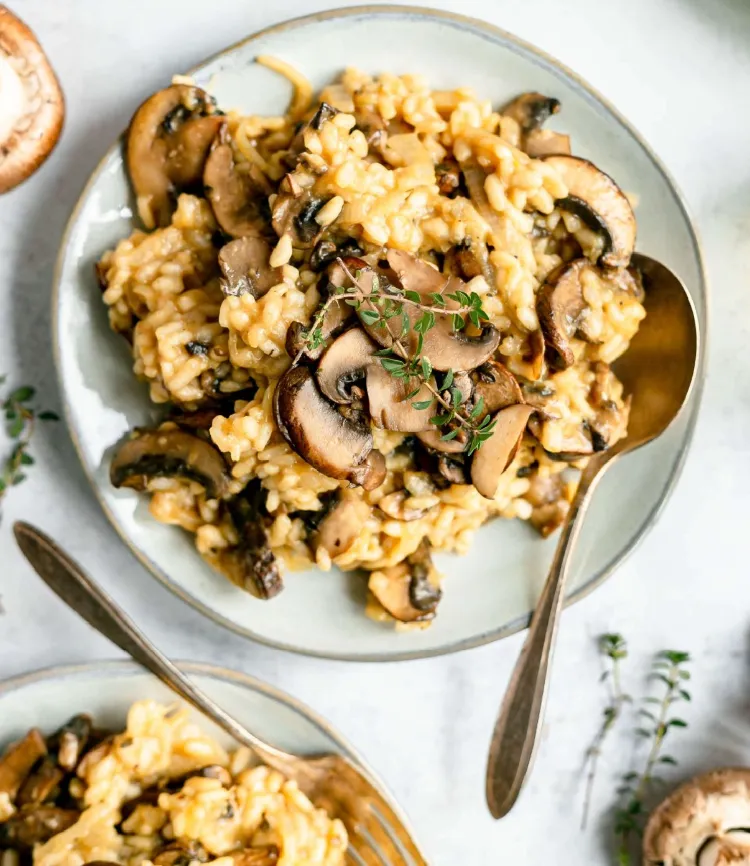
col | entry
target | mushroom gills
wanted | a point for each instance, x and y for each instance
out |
(496, 454)
(245, 267)
(343, 363)
(238, 193)
(320, 435)
(150, 454)
(560, 305)
(601, 204)
(168, 142)
(260, 575)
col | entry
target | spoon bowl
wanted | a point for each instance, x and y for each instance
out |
(658, 372)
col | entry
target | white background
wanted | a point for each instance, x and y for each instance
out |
(680, 71)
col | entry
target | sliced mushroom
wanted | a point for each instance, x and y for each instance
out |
(610, 423)
(560, 306)
(293, 212)
(35, 825)
(446, 348)
(391, 407)
(433, 439)
(260, 571)
(246, 269)
(448, 177)
(321, 435)
(598, 201)
(336, 317)
(71, 741)
(43, 783)
(546, 142)
(531, 110)
(181, 853)
(168, 142)
(32, 107)
(18, 761)
(496, 454)
(343, 363)
(150, 454)
(409, 591)
(705, 822)
(343, 524)
(453, 470)
(548, 497)
(496, 386)
(238, 193)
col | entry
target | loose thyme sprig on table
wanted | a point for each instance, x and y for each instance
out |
(397, 361)
(614, 649)
(20, 419)
(669, 670)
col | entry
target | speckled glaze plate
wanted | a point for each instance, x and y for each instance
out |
(489, 593)
(48, 698)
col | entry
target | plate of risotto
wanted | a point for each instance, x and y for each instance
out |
(102, 764)
(338, 332)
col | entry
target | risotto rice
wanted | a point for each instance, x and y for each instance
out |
(369, 168)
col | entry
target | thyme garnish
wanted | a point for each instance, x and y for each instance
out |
(615, 649)
(385, 304)
(669, 670)
(20, 420)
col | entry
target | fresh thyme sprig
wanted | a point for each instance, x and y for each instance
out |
(614, 648)
(20, 420)
(669, 670)
(401, 364)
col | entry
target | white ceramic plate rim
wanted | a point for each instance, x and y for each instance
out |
(520, 622)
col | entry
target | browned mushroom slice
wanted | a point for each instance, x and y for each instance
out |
(33, 107)
(496, 454)
(560, 306)
(260, 571)
(546, 142)
(71, 740)
(398, 506)
(531, 110)
(433, 439)
(35, 825)
(343, 363)
(335, 319)
(496, 387)
(598, 201)
(293, 212)
(152, 454)
(43, 783)
(238, 193)
(445, 347)
(343, 524)
(452, 470)
(320, 434)
(448, 177)
(168, 142)
(391, 407)
(610, 422)
(18, 761)
(246, 269)
(548, 497)
(409, 591)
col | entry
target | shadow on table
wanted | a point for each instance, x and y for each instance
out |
(725, 17)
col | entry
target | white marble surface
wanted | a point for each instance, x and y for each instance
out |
(680, 70)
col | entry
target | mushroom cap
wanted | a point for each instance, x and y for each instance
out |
(559, 306)
(168, 142)
(259, 570)
(245, 267)
(391, 408)
(32, 108)
(344, 362)
(409, 591)
(596, 198)
(315, 429)
(531, 110)
(238, 194)
(496, 454)
(496, 386)
(169, 453)
(343, 524)
(703, 823)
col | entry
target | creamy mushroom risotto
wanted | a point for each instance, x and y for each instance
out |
(376, 322)
(161, 792)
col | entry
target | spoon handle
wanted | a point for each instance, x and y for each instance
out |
(517, 728)
(68, 580)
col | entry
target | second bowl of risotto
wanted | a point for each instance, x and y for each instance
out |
(356, 323)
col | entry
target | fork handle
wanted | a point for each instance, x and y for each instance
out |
(68, 580)
(517, 728)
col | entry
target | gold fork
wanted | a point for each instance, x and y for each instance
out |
(378, 835)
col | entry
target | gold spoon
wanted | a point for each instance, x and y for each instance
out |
(658, 370)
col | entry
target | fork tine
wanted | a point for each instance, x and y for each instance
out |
(364, 851)
(353, 856)
(372, 831)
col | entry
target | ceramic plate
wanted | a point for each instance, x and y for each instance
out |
(48, 698)
(490, 592)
